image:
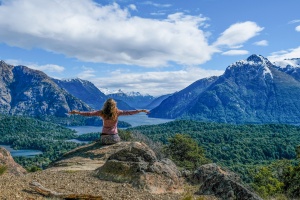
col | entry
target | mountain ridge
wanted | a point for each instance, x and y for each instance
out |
(25, 91)
(249, 91)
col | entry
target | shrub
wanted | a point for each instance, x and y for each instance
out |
(266, 184)
(185, 152)
(33, 169)
(125, 135)
(3, 169)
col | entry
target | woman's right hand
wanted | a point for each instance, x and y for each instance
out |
(73, 112)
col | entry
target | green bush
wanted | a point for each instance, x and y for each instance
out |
(185, 152)
(33, 169)
(125, 135)
(291, 179)
(3, 169)
(266, 184)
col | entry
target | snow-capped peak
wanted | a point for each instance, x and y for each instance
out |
(261, 63)
(107, 91)
(288, 63)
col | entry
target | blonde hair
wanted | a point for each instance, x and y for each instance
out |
(110, 110)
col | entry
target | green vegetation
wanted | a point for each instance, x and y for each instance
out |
(232, 145)
(28, 133)
(266, 184)
(264, 155)
(3, 169)
(185, 152)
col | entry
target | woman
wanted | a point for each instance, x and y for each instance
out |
(109, 115)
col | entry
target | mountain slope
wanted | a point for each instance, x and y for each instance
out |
(250, 91)
(88, 93)
(157, 101)
(32, 93)
(176, 104)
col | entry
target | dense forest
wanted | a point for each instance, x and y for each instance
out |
(237, 147)
(264, 155)
(29, 133)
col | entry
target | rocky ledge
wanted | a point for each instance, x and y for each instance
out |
(127, 170)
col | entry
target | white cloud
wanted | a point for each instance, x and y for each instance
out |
(157, 4)
(48, 68)
(238, 33)
(87, 73)
(132, 7)
(285, 54)
(235, 52)
(297, 28)
(153, 83)
(91, 32)
(294, 21)
(261, 43)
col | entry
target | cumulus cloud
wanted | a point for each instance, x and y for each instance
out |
(132, 7)
(235, 52)
(261, 43)
(103, 33)
(154, 83)
(92, 32)
(285, 54)
(238, 33)
(48, 68)
(87, 73)
(297, 28)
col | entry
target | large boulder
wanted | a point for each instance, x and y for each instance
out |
(137, 164)
(6, 160)
(226, 185)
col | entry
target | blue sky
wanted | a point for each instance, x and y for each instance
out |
(153, 47)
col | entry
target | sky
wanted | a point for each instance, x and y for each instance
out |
(151, 47)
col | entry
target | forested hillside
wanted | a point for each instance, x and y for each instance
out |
(28, 133)
(233, 146)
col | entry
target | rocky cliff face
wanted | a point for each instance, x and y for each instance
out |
(31, 92)
(84, 90)
(7, 160)
(250, 91)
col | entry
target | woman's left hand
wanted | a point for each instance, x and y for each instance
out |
(146, 111)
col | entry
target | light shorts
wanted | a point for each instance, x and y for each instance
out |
(110, 139)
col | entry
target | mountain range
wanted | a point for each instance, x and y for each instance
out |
(133, 99)
(250, 91)
(24, 91)
(88, 93)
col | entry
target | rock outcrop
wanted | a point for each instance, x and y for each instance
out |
(223, 184)
(137, 164)
(125, 162)
(6, 160)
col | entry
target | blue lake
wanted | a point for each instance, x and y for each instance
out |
(21, 152)
(134, 120)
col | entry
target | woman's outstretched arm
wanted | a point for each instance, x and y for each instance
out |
(92, 113)
(132, 112)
